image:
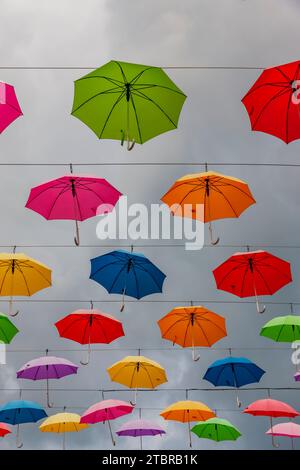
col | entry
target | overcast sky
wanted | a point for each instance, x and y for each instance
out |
(213, 127)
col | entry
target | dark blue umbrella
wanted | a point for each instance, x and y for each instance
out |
(20, 411)
(122, 272)
(233, 372)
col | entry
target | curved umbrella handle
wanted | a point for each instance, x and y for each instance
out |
(130, 145)
(238, 402)
(195, 358)
(76, 238)
(10, 309)
(19, 444)
(111, 433)
(85, 363)
(258, 307)
(49, 404)
(133, 403)
(212, 241)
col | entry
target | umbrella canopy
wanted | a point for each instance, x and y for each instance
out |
(62, 423)
(282, 329)
(285, 429)
(4, 429)
(106, 410)
(192, 326)
(272, 102)
(20, 411)
(216, 429)
(253, 273)
(7, 329)
(140, 428)
(297, 377)
(270, 407)
(233, 372)
(9, 106)
(127, 273)
(124, 101)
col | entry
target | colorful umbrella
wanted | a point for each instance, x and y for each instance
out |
(90, 327)
(297, 377)
(122, 272)
(7, 329)
(124, 101)
(73, 197)
(22, 275)
(106, 410)
(45, 368)
(289, 429)
(252, 274)
(137, 372)
(19, 412)
(272, 102)
(187, 411)
(233, 372)
(140, 428)
(271, 408)
(192, 326)
(4, 429)
(62, 423)
(9, 107)
(282, 329)
(216, 429)
(208, 196)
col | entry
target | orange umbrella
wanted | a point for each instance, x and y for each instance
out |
(192, 326)
(220, 196)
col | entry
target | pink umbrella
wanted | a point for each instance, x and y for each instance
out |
(73, 198)
(289, 429)
(106, 410)
(9, 106)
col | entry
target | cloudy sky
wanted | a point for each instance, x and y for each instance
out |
(213, 127)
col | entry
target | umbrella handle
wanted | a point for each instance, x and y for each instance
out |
(190, 434)
(133, 403)
(130, 145)
(10, 309)
(238, 402)
(76, 238)
(258, 307)
(195, 358)
(111, 433)
(212, 241)
(49, 404)
(85, 363)
(19, 444)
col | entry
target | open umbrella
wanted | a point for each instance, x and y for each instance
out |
(253, 273)
(218, 195)
(62, 423)
(137, 372)
(192, 326)
(124, 101)
(19, 412)
(282, 329)
(233, 372)
(106, 410)
(45, 368)
(73, 197)
(9, 107)
(140, 428)
(216, 429)
(127, 273)
(7, 329)
(89, 327)
(289, 429)
(22, 275)
(4, 430)
(187, 411)
(272, 102)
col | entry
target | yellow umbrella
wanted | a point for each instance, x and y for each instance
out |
(187, 411)
(62, 423)
(22, 275)
(137, 372)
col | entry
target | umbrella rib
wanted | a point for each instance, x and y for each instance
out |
(59, 185)
(95, 96)
(147, 372)
(287, 118)
(282, 73)
(105, 266)
(149, 85)
(25, 264)
(122, 71)
(114, 81)
(78, 206)
(258, 87)
(278, 95)
(264, 280)
(142, 95)
(103, 329)
(235, 187)
(150, 274)
(110, 112)
(25, 281)
(203, 331)
(64, 190)
(229, 273)
(5, 275)
(215, 324)
(136, 281)
(138, 76)
(173, 325)
(244, 278)
(186, 332)
(117, 277)
(226, 199)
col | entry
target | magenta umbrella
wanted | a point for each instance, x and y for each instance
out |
(73, 198)
(106, 410)
(289, 429)
(140, 428)
(45, 368)
(9, 107)
(297, 377)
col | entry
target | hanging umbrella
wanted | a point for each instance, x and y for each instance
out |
(271, 408)
(219, 196)
(45, 368)
(62, 423)
(7, 329)
(89, 327)
(140, 428)
(233, 372)
(106, 410)
(253, 273)
(282, 329)
(297, 377)
(216, 429)
(19, 412)
(124, 101)
(272, 102)
(289, 429)
(22, 275)
(187, 411)
(137, 372)
(4, 430)
(73, 197)
(192, 326)
(122, 272)
(9, 107)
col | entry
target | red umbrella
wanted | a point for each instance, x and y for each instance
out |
(271, 408)
(273, 104)
(89, 327)
(4, 429)
(253, 273)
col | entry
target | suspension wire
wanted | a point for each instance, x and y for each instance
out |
(166, 67)
(137, 164)
(156, 245)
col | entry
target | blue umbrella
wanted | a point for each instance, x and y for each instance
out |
(233, 372)
(127, 273)
(20, 411)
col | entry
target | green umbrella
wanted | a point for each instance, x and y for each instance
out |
(282, 329)
(7, 329)
(216, 429)
(124, 101)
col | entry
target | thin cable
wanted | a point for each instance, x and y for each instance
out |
(160, 390)
(155, 245)
(167, 67)
(137, 164)
(176, 349)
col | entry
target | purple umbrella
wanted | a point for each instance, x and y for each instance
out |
(45, 368)
(297, 377)
(140, 428)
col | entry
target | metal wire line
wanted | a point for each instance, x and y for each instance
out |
(142, 164)
(161, 390)
(155, 245)
(167, 67)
